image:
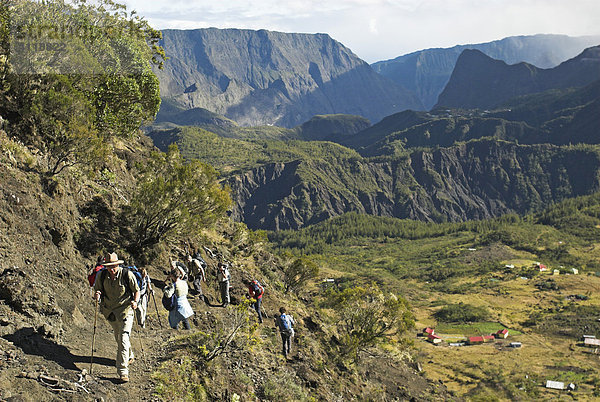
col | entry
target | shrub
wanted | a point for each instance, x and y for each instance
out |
(173, 200)
(179, 380)
(70, 100)
(367, 317)
(299, 272)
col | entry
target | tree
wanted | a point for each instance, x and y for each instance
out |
(75, 76)
(367, 317)
(173, 200)
(299, 272)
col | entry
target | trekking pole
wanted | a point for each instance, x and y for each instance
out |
(156, 307)
(141, 344)
(94, 335)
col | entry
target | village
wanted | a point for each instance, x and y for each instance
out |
(505, 339)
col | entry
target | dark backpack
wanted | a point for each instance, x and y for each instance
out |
(185, 269)
(286, 324)
(169, 303)
(257, 288)
(203, 263)
(138, 276)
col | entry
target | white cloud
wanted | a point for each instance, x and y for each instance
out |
(383, 29)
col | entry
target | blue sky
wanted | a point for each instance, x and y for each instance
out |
(382, 29)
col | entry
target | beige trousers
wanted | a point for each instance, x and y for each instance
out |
(122, 331)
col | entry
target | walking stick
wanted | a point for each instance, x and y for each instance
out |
(94, 335)
(141, 344)
(156, 307)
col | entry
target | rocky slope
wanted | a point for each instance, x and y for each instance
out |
(479, 81)
(474, 180)
(427, 72)
(263, 77)
(51, 231)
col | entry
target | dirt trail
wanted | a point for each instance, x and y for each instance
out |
(27, 355)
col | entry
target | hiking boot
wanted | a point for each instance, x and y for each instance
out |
(124, 378)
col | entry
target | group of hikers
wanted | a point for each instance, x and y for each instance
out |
(122, 294)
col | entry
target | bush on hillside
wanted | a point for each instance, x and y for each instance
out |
(368, 316)
(74, 76)
(174, 200)
(299, 272)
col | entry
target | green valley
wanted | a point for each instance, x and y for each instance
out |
(486, 264)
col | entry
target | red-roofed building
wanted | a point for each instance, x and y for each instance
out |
(429, 331)
(473, 340)
(434, 338)
(489, 338)
(503, 333)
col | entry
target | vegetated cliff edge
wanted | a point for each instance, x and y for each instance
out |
(263, 77)
(475, 180)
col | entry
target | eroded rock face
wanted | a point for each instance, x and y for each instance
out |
(476, 180)
(263, 77)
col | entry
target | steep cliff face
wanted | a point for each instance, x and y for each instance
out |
(476, 180)
(427, 72)
(263, 77)
(479, 81)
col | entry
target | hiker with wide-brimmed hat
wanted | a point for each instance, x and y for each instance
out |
(119, 294)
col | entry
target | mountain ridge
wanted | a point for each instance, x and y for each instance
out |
(426, 72)
(475, 180)
(479, 81)
(265, 77)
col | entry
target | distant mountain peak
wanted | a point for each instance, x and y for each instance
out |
(426, 72)
(479, 81)
(267, 77)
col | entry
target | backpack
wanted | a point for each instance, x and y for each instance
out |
(257, 288)
(138, 277)
(169, 303)
(93, 272)
(286, 324)
(201, 261)
(185, 269)
(198, 256)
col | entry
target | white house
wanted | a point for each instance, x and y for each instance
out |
(555, 385)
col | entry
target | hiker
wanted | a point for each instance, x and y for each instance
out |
(223, 277)
(285, 323)
(145, 290)
(255, 291)
(198, 275)
(117, 291)
(182, 310)
(179, 266)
